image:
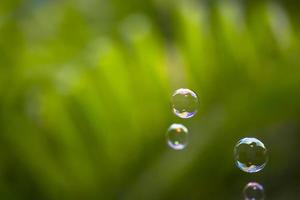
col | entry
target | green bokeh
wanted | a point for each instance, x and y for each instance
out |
(85, 88)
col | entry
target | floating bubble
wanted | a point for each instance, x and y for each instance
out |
(250, 155)
(177, 136)
(184, 103)
(254, 191)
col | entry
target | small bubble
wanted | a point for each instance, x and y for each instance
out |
(177, 136)
(254, 191)
(250, 155)
(184, 103)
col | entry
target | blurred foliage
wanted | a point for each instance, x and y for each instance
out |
(85, 88)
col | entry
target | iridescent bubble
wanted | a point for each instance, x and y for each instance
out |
(254, 191)
(184, 103)
(177, 136)
(250, 155)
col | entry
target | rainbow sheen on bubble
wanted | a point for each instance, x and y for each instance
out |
(184, 103)
(250, 155)
(177, 136)
(254, 191)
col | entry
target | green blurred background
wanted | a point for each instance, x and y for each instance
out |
(85, 89)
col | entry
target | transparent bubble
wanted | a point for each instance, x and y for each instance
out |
(250, 155)
(184, 103)
(177, 136)
(254, 191)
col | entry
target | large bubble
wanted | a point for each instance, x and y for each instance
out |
(184, 103)
(250, 155)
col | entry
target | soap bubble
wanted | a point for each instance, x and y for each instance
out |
(254, 191)
(184, 103)
(250, 155)
(177, 136)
